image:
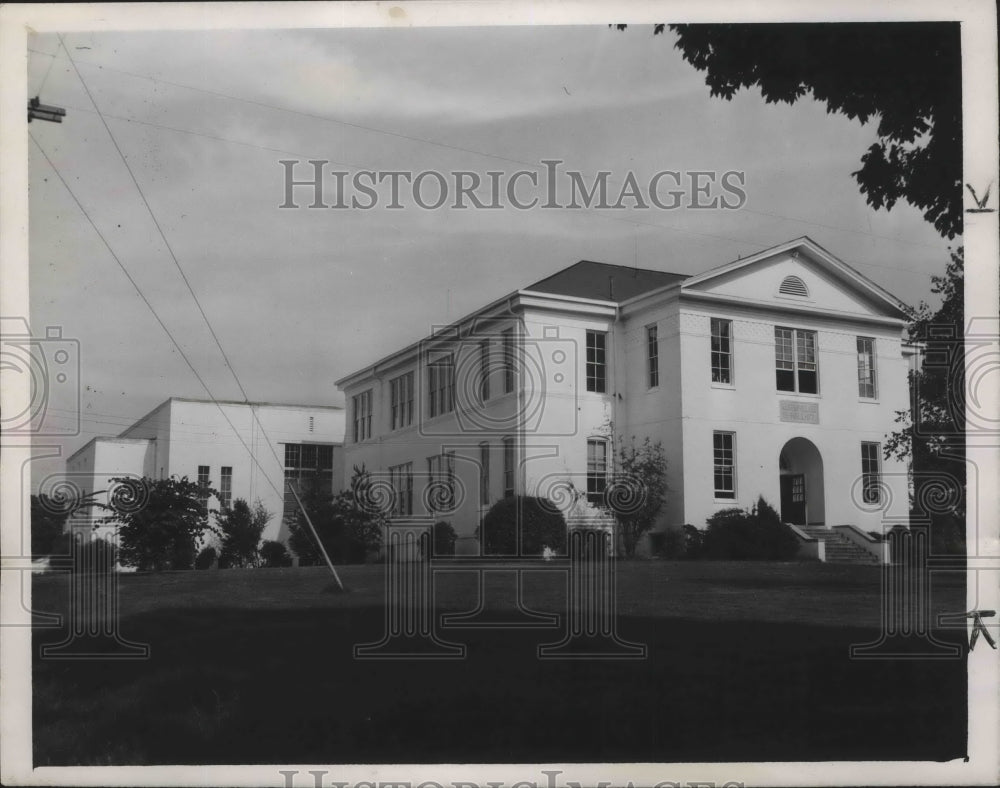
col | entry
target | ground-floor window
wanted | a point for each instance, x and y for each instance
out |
(871, 473)
(226, 486)
(441, 482)
(508, 467)
(401, 479)
(597, 470)
(309, 468)
(724, 460)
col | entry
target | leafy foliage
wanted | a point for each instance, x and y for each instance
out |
(206, 558)
(932, 433)
(274, 554)
(89, 555)
(348, 525)
(48, 521)
(163, 529)
(240, 529)
(907, 76)
(642, 484)
(443, 538)
(540, 521)
(756, 534)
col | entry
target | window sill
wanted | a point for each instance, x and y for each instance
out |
(868, 401)
(723, 386)
(725, 501)
(802, 394)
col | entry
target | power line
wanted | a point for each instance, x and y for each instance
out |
(145, 300)
(447, 146)
(170, 250)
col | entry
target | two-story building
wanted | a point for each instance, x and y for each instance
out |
(777, 375)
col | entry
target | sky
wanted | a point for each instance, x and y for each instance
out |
(300, 298)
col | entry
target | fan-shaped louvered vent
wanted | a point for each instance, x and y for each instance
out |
(793, 286)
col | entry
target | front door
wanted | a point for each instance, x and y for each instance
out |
(793, 499)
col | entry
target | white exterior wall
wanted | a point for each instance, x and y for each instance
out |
(750, 409)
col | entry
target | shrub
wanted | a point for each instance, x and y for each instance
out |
(693, 541)
(443, 538)
(274, 554)
(756, 534)
(91, 555)
(206, 558)
(541, 524)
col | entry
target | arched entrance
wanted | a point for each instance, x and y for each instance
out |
(802, 495)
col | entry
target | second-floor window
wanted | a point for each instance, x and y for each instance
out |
(795, 363)
(597, 370)
(401, 401)
(866, 368)
(484, 370)
(441, 386)
(509, 360)
(722, 351)
(362, 407)
(652, 357)
(597, 470)
(226, 486)
(309, 469)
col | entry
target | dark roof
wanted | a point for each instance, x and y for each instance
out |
(603, 281)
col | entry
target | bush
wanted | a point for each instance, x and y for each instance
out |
(542, 525)
(693, 541)
(91, 555)
(274, 554)
(206, 558)
(443, 538)
(756, 534)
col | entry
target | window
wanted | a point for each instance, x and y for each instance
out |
(203, 481)
(484, 474)
(484, 370)
(597, 470)
(401, 479)
(871, 475)
(308, 467)
(441, 386)
(795, 360)
(597, 374)
(722, 350)
(508, 360)
(652, 357)
(401, 401)
(441, 479)
(226, 486)
(724, 459)
(508, 467)
(866, 368)
(362, 406)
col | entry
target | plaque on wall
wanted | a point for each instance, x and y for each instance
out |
(800, 412)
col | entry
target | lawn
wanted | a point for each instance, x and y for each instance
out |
(745, 661)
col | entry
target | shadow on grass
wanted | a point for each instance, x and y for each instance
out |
(232, 685)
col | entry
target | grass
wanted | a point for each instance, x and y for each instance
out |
(746, 661)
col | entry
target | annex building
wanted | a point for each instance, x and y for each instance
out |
(777, 375)
(242, 450)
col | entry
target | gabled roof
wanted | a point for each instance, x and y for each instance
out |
(603, 281)
(817, 254)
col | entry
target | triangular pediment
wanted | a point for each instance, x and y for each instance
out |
(800, 273)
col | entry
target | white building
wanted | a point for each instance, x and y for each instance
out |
(242, 450)
(777, 375)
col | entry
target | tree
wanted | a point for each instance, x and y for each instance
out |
(48, 521)
(240, 529)
(273, 554)
(539, 520)
(932, 433)
(349, 525)
(638, 490)
(160, 521)
(907, 75)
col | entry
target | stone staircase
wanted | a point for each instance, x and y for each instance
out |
(840, 549)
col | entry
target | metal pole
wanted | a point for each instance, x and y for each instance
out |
(319, 542)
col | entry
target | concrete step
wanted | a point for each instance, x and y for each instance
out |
(840, 549)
